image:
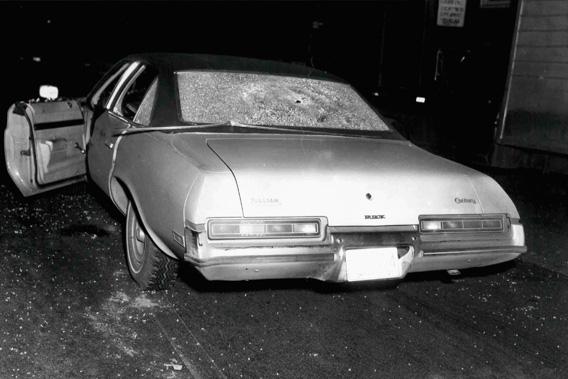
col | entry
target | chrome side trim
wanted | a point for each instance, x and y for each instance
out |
(125, 76)
(256, 259)
(461, 215)
(496, 250)
(195, 227)
(373, 229)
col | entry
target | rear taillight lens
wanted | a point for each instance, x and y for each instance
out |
(432, 224)
(255, 228)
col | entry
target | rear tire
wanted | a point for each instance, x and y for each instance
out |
(148, 266)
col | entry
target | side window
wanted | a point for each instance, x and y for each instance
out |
(131, 97)
(102, 95)
(147, 106)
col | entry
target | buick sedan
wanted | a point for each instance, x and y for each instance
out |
(252, 169)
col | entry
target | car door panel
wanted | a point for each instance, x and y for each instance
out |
(102, 145)
(106, 125)
(44, 145)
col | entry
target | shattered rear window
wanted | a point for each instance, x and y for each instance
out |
(261, 99)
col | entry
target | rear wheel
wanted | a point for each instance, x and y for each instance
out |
(150, 268)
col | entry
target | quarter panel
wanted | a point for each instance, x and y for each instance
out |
(162, 179)
(492, 197)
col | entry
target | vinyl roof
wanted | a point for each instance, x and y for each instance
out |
(181, 62)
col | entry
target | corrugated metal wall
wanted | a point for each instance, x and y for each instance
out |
(536, 106)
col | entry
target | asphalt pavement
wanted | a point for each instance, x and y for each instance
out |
(68, 307)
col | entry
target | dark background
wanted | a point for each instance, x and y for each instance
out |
(392, 51)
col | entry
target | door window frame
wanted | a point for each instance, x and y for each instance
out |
(93, 99)
(126, 82)
(130, 72)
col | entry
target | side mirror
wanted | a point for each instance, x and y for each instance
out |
(48, 92)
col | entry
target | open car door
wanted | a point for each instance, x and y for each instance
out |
(44, 145)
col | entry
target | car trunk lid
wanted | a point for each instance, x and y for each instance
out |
(351, 181)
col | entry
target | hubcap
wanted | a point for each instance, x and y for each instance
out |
(140, 236)
(136, 242)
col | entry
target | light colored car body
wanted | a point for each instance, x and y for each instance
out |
(374, 207)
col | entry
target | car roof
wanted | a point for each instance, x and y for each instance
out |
(175, 62)
(166, 107)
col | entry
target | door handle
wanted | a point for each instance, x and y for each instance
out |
(109, 144)
(78, 147)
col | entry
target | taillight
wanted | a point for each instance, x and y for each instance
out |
(432, 224)
(262, 228)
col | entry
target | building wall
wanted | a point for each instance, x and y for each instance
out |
(536, 107)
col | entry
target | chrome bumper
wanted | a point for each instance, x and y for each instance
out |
(327, 261)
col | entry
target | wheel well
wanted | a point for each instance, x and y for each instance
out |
(119, 194)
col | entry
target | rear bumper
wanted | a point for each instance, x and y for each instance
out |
(466, 259)
(327, 262)
(330, 267)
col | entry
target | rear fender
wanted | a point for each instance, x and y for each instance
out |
(121, 191)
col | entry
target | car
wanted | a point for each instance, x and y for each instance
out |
(250, 169)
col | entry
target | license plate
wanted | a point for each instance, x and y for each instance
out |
(372, 264)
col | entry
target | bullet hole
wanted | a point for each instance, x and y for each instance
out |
(369, 196)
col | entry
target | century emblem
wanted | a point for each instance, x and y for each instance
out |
(461, 200)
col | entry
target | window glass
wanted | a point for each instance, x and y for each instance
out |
(262, 99)
(145, 110)
(103, 94)
(132, 96)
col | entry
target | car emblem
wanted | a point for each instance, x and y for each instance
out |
(265, 201)
(375, 217)
(463, 200)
